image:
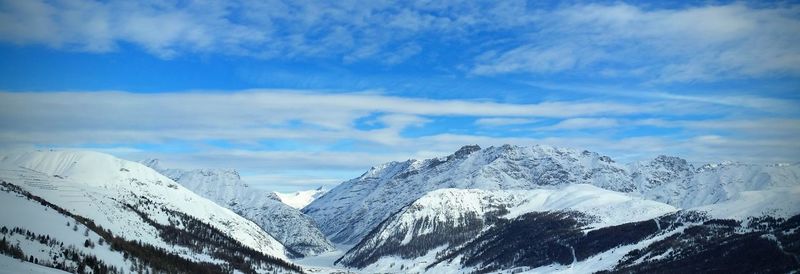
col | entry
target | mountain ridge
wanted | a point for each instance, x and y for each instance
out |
(352, 209)
(226, 187)
(134, 209)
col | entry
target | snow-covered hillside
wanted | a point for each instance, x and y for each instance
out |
(674, 181)
(300, 199)
(351, 210)
(499, 209)
(288, 225)
(60, 230)
(448, 218)
(130, 201)
(10, 265)
(575, 228)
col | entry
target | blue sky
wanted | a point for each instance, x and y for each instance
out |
(298, 94)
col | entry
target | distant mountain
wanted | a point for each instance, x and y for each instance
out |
(506, 209)
(288, 225)
(300, 199)
(452, 217)
(354, 208)
(547, 209)
(579, 228)
(83, 211)
(351, 210)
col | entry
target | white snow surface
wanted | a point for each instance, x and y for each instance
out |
(674, 181)
(354, 208)
(225, 187)
(610, 207)
(20, 212)
(95, 186)
(783, 202)
(300, 199)
(449, 207)
(10, 265)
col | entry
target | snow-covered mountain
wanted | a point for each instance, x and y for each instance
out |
(674, 181)
(499, 209)
(288, 225)
(446, 219)
(349, 211)
(354, 208)
(300, 199)
(576, 228)
(61, 207)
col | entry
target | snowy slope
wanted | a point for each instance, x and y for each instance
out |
(20, 212)
(674, 181)
(576, 228)
(10, 265)
(780, 202)
(441, 215)
(225, 187)
(606, 208)
(108, 190)
(300, 199)
(352, 209)
(349, 211)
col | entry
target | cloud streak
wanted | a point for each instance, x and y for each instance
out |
(274, 135)
(703, 43)
(693, 43)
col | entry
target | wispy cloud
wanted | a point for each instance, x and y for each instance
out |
(705, 42)
(744, 99)
(255, 124)
(701, 43)
(263, 113)
(493, 122)
(583, 123)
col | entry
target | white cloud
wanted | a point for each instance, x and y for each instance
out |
(351, 30)
(247, 118)
(255, 110)
(583, 123)
(323, 133)
(676, 45)
(532, 59)
(741, 99)
(700, 43)
(493, 122)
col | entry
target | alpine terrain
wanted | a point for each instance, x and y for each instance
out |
(504, 209)
(91, 212)
(300, 199)
(288, 225)
(549, 209)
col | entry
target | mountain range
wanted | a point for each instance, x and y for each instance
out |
(288, 225)
(450, 213)
(84, 210)
(504, 209)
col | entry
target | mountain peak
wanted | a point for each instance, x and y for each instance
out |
(466, 150)
(671, 163)
(223, 172)
(153, 163)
